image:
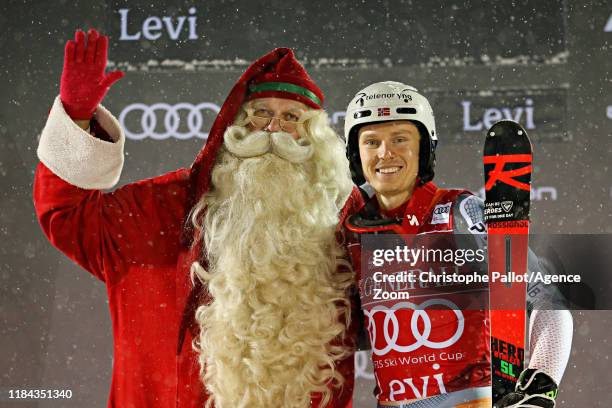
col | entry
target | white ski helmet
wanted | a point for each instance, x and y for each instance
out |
(384, 102)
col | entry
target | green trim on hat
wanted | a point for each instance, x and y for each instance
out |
(285, 87)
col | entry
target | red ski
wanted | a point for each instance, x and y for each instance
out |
(507, 162)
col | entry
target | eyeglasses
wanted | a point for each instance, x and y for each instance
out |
(260, 120)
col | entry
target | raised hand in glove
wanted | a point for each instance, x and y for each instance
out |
(84, 82)
(534, 389)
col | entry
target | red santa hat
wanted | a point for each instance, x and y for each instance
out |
(276, 74)
(286, 78)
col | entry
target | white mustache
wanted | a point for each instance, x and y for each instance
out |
(242, 143)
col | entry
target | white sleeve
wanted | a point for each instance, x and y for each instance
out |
(550, 337)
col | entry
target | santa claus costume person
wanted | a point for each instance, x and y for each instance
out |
(235, 255)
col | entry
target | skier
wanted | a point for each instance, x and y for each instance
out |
(391, 140)
(236, 254)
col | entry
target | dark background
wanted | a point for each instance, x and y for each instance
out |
(551, 56)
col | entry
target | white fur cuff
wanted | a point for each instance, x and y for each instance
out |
(78, 157)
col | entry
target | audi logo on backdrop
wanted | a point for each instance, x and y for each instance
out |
(391, 327)
(161, 121)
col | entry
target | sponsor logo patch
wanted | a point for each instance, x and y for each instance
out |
(441, 213)
(412, 219)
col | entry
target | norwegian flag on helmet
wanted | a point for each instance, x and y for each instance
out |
(384, 111)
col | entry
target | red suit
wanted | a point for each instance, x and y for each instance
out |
(137, 240)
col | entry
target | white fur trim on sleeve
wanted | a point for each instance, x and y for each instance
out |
(78, 157)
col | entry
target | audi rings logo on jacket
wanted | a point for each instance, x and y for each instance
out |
(171, 123)
(392, 328)
(442, 210)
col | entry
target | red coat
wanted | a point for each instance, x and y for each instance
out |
(131, 239)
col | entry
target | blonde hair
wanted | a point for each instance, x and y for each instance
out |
(274, 331)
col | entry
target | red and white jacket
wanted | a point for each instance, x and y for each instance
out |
(433, 342)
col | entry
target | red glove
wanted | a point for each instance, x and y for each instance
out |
(84, 83)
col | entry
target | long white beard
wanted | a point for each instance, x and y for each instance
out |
(279, 298)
